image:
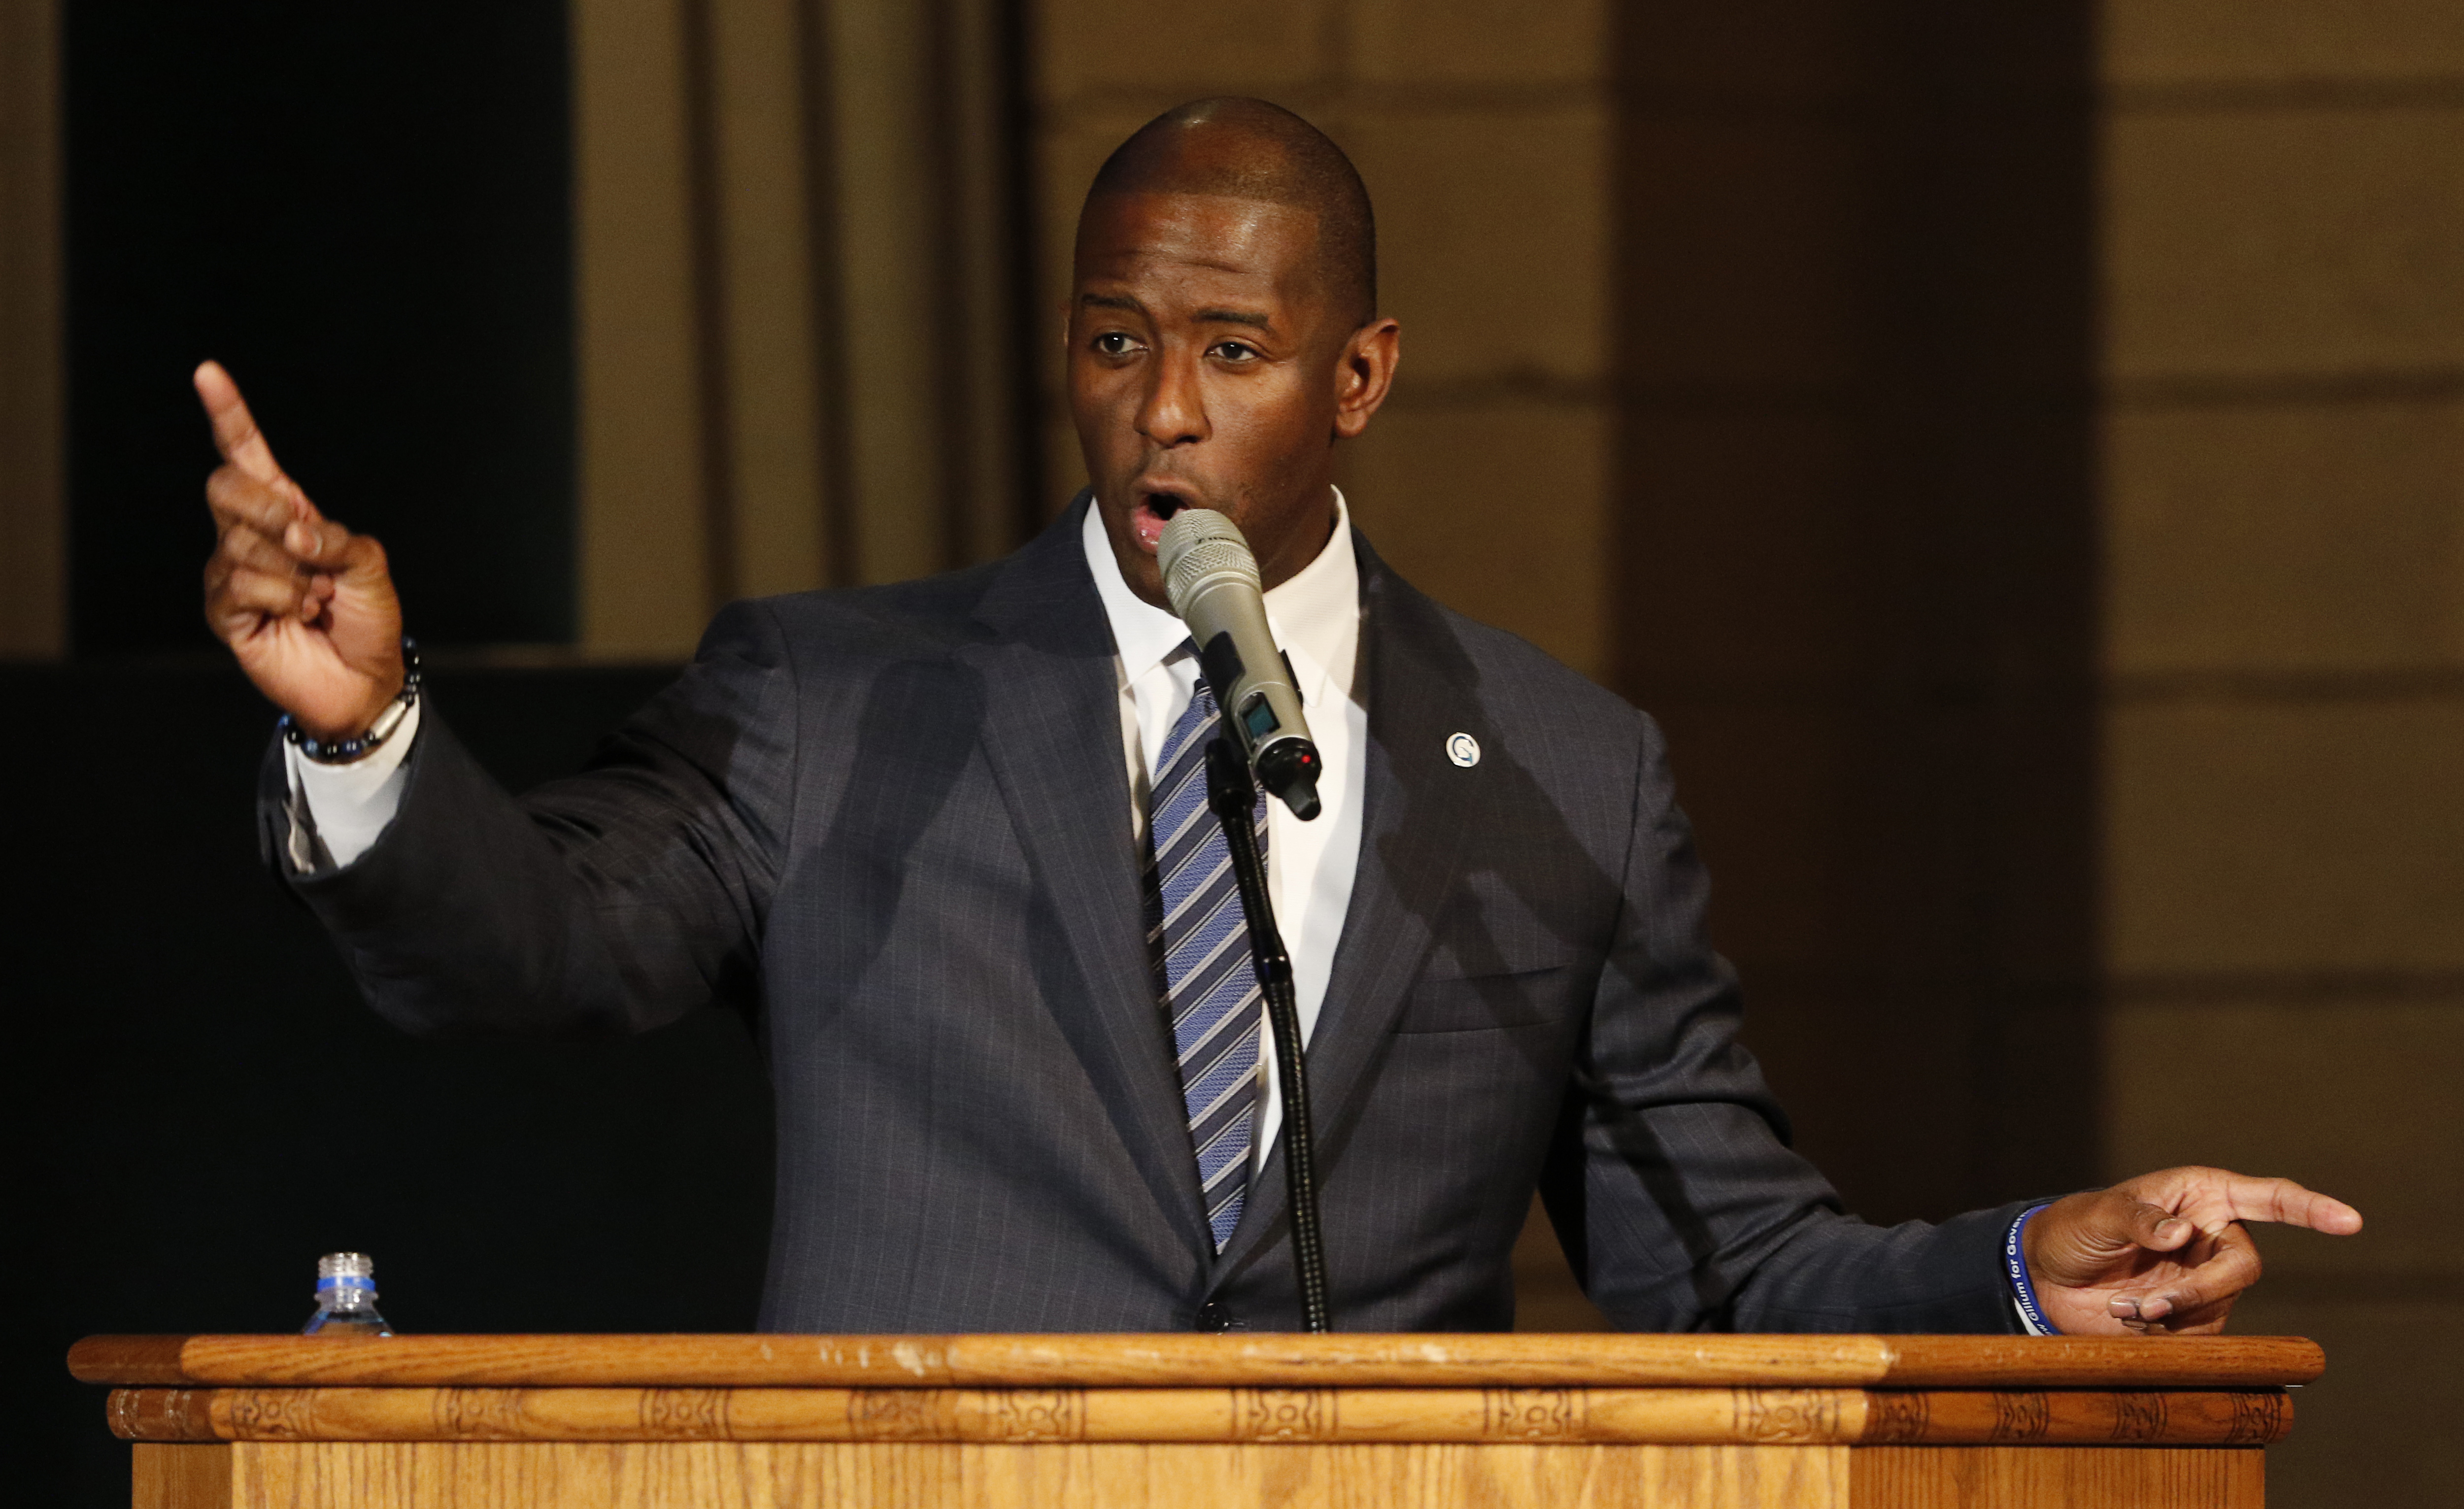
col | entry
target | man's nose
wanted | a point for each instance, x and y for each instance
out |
(1175, 411)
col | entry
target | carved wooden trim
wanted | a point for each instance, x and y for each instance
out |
(1786, 1415)
(1947, 1418)
(2137, 1417)
(1266, 1416)
(1897, 1418)
(2021, 1419)
(1536, 1414)
(273, 1414)
(689, 1415)
(899, 1414)
(2259, 1418)
(1285, 1414)
(470, 1414)
(161, 1414)
(1036, 1414)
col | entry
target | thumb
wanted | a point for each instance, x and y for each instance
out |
(366, 582)
(2156, 1228)
(353, 594)
(2088, 1237)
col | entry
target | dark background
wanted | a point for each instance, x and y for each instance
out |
(363, 213)
(201, 1105)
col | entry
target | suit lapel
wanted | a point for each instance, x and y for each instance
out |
(1421, 692)
(1054, 747)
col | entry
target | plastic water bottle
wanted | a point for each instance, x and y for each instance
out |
(346, 1298)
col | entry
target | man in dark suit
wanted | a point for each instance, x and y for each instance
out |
(943, 835)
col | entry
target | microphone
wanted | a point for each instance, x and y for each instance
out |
(1213, 582)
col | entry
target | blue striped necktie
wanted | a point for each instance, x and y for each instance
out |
(1199, 937)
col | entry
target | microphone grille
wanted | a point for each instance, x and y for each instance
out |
(1200, 544)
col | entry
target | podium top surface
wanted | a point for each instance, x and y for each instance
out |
(1253, 1360)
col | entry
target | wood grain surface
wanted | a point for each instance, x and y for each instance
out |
(2015, 1477)
(1532, 1360)
(751, 1476)
(1652, 1416)
(402, 1476)
(179, 1477)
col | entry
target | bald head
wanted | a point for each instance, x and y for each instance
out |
(1249, 149)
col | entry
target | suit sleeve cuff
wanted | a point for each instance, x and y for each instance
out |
(338, 812)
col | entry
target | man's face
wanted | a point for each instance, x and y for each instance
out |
(1207, 369)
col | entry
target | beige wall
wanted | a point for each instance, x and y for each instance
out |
(1481, 127)
(2282, 254)
(797, 337)
(643, 574)
(33, 534)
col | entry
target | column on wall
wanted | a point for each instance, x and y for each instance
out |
(33, 563)
(1855, 332)
(799, 347)
(2282, 465)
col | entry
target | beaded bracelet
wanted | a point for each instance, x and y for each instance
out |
(342, 752)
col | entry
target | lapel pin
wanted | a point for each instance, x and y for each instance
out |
(1463, 750)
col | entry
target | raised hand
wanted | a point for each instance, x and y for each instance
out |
(306, 605)
(2165, 1252)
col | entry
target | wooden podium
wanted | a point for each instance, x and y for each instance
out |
(1196, 1422)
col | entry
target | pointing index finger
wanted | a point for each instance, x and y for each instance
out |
(235, 432)
(2283, 1201)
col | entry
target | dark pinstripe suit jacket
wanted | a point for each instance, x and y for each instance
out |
(892, 821)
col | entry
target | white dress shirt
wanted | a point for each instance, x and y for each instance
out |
(349, 805)
(1316, 619)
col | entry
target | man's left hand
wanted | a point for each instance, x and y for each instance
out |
(2163, 1253)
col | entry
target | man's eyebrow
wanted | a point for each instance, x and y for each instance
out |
(1205, 316)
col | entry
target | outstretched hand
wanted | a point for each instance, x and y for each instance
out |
(2163, 1253)
(307, 607)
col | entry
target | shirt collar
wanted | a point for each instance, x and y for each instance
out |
(1315, 615)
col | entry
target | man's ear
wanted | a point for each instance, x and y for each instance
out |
(1365, 374)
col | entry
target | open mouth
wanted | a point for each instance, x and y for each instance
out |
(1155, 510)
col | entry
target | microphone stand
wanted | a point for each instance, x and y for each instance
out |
(1234, 797)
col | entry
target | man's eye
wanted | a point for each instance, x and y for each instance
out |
(1114, 343)
(1234, 351)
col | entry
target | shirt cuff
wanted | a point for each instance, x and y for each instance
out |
(343, 809)
(2023, 1290)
